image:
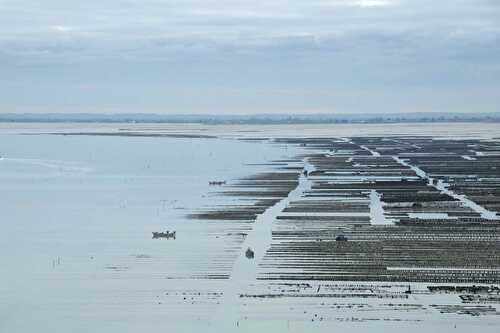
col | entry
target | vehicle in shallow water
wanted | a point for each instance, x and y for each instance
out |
(341, 238)
(249, 253)
(166, 234)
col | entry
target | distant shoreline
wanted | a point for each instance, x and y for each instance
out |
(252, 119)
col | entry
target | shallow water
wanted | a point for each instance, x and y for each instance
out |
(77, 215)
(77, 254)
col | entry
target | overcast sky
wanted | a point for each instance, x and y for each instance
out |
(233, 56)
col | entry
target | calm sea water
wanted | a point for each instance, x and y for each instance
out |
(76, 254)
(77, 214)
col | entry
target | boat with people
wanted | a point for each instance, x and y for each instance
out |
(166, 234)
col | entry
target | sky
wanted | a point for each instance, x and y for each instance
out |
(240, 57)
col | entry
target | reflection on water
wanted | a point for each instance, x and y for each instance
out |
(77, 218)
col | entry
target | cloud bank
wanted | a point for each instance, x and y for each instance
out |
(207, 56)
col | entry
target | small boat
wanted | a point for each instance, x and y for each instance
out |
(249, 253)
(166, 234)
(408, 291)
(217, 182)
(341, 238)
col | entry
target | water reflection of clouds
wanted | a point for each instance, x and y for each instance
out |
(64, 166)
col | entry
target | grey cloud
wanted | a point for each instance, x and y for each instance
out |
(196, 56)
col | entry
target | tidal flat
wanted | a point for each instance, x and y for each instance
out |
(351, 227)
